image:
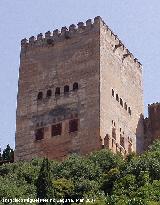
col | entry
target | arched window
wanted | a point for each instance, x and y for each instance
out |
(117, 97)
(112, 92)
(125, 106)
(66, 89)
(75, 86)
(57, 91)
(121, 102)
(40, 96)
(49, 93)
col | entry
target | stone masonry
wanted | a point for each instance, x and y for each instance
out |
(79, 90)
(152, 125)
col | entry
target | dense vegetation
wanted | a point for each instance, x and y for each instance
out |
(7, 155)
(103, 176)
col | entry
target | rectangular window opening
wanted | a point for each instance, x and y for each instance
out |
(39, 134)
(73, 125)
(57, 129)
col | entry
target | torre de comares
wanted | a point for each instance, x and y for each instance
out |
(80, 90)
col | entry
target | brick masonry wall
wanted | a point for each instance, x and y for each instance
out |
(152, 128)
(121, 72)
(43, 67)
(95, 58)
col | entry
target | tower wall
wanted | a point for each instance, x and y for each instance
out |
(152, 128)
(121, 95)
(78, 89)
(50, 62)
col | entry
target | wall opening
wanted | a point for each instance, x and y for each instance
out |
(125, 106)
(75, 86)
(129, 110)
(117, 97)
(39, 134)
(121, 102)
(66, 89)
(40, 96)
(121, 140)
(57, 129)
(114, 133)
(49, 93)
(112, 92)
(57, 91)
(73, 125)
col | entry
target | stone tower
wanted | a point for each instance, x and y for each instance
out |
(79, 90)
(152, 128)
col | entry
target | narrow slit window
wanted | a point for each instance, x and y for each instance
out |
(121, 102)
(57, 92)
(129, 110)
(112, 142)
(73, 125)
(117, 97)
(114, 133)
(75, 86)
(39, 134)
(57, 129)
(112, 92)
(121, 140)
(125, 106)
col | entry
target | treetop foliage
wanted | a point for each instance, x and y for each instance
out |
(103, 176)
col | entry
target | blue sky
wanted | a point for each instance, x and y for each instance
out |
(137, 23)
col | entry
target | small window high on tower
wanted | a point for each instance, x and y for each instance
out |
(49, 93)
(117, 97)
(73, 125)
(112, 92)
(57, 91)
(75, 86)
(39, 134)
(57, 129)
(66, 89)
(40, 96)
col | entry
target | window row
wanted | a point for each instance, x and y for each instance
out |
(121, 102)
(122, 144)
(57, 92)
(56, 129)
(122, 141)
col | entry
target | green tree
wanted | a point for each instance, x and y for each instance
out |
(109, 179)
(63, 188)
(0, 155)
(106, 160)
(8, 154)
(44, 182)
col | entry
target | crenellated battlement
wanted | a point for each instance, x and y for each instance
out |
(154, 110)
(119, 44)
(156, 104)
(65, 75)
(51, 38)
